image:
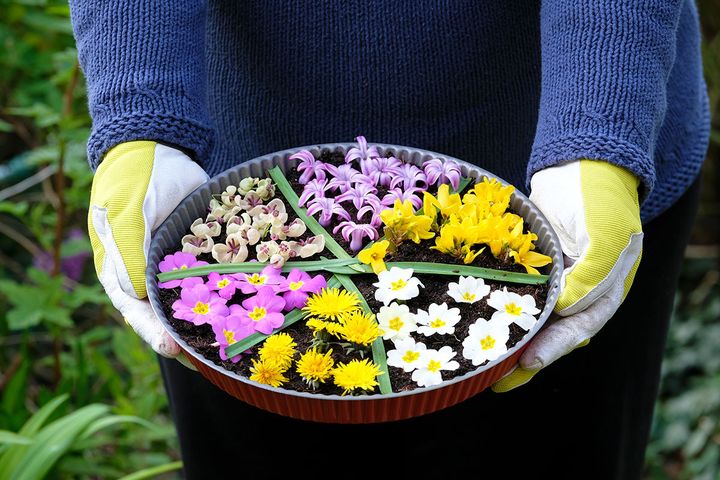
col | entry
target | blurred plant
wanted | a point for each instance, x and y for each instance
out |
(61, 342)
(685, 442)
(65, 444)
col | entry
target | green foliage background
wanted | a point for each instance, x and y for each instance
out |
(66, 358)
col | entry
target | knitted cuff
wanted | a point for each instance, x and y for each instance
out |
(195, 139)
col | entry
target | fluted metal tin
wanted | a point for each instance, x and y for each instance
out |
(336, 408)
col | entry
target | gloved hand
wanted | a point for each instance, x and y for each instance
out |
(137, 185)
(593, 207)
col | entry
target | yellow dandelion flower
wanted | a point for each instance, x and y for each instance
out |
(279, 348)
(358, 374)
(318, 325)
(331, 303)
(314, 366)
(359, 328)
(267, 372)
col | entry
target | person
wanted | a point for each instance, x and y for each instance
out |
(599, 107)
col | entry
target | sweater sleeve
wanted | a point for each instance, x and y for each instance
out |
(605, 65)
(144, 64)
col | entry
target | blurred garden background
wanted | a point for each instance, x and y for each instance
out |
(81, 396)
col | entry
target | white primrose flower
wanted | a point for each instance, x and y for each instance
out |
(407, 354)
(512, 307)
(396, 284)
(468, 290)
(396, 321)
(486, 340)
(432, 363)
(438, 319)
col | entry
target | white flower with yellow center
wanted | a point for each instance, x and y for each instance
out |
(468, 290)
(512, 307)
(396, 284)
(407, 354)
(432, 363)
(396, 321)
(438, 319)
(486, 340)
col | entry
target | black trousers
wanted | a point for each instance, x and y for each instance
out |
(588, 415)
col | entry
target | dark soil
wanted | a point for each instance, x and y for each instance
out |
(202, 337)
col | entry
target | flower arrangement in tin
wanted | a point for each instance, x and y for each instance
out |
(356, 274)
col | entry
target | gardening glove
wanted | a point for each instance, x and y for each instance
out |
(593, 207)
(135, 188)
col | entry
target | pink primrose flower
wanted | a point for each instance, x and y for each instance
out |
(297, 286)
(225, 285)
(199, 305)
(229, 330)
(178, 261)
(252, 282)
(263, 310)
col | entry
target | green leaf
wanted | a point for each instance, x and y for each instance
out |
(153, 472)
(10, 457)
(378, 348)
(467, 270)
(10, 438)
(284, 186)
(252, 267)
(53, 441)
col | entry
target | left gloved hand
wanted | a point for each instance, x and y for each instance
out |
(593, 207)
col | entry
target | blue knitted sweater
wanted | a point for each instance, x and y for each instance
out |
(513, 86)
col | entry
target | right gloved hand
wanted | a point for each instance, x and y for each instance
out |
(135, 188)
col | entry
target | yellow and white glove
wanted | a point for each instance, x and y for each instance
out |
(593, 207)
(137, 185)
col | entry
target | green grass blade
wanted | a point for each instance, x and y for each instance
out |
(53, 441)
(284, 186)
(254, 267)
(469, 270)
(153, 472)
(10, 457)
(378, 348)
(11, 438)
(106, 422)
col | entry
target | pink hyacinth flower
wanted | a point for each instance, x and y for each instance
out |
(297, 286)
(252, 282)
(354, 233)
(362, 151)
(439, 172)
(225, 285)
(314, 188)
(309, 165)
(178, 261)
(327, 207)
(199, 305)
(263, 310)
(229, 330)
(380, 170)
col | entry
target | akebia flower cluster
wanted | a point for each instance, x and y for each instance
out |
(247, 216)
(355, 269)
